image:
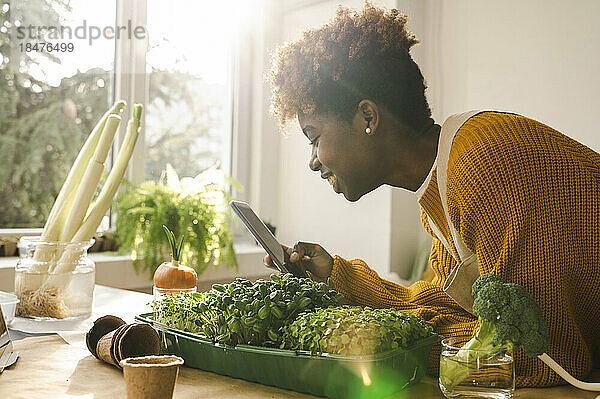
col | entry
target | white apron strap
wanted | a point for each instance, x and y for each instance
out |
(449, 129)
(459, 282)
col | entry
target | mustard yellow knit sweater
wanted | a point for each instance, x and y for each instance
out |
(526, 199)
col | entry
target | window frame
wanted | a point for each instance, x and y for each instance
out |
(254, 137)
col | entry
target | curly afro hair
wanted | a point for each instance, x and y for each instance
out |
(357, 55)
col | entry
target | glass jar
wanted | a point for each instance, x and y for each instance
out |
(54, 280)
(466, 373)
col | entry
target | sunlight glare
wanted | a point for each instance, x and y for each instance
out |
(365, 377)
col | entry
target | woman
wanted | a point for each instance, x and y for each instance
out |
(499, 193)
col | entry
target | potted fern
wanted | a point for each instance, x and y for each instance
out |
(192, 207)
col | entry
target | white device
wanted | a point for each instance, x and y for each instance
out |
(265, 238)
(7, 356)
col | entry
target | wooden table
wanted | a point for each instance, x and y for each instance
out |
(48, 367)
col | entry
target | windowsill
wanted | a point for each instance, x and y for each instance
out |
(117, 270)
(7, 233)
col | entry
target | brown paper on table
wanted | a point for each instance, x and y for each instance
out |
(49, 368)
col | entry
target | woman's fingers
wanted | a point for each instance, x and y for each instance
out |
(287, 249)
(306, 256)
(302, 269)
(302, 249)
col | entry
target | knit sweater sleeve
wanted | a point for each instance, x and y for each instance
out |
(361, 285)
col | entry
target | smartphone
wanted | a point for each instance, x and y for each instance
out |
(266, 239)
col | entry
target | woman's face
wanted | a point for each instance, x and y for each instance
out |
(342, 153)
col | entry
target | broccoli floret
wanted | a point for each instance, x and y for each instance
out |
(513, 314)
(508, 315)
(483, 280)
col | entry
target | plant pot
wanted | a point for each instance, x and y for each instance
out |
(129, 340)
(151, 377)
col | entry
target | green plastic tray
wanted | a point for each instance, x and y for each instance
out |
(334, 376)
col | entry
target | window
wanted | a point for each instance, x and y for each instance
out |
(189, 63)
(182, 69)
(51, 97)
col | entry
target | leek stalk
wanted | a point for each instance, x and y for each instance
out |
(90, 180)
(92, 221)
(62, 204)
(87, 229)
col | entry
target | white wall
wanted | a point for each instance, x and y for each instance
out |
(537, 58)
(309, 210)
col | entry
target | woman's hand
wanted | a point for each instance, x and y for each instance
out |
(308, 257)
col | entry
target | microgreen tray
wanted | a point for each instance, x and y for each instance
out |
(334, 376)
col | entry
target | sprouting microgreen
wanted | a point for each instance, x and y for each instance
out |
(248, 312)
(353, 330)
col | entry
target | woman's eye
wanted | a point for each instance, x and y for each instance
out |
(315, 142)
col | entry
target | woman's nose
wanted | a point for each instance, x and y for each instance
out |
(314, 163)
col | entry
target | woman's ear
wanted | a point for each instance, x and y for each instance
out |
(368, 114)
